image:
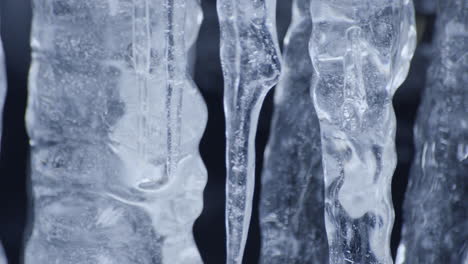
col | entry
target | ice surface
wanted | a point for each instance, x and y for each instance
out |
(425, 6)
(251, 67)
(114, 121)
(2, 255)
(291, 206)
(435, 226)
(360, 50)
(3, 86)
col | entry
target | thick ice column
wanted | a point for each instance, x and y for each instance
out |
(360, 50)
(115, 121)
(435, 228)
(292, 200)
(251, 66)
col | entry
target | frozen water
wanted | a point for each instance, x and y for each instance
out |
(425, 6)
(114, 121)
(435, 226)
(292, 223)
(360, 50)
(3, 86)
(2, 256)
(251, 67)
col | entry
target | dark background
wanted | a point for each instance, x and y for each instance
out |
(209, 228)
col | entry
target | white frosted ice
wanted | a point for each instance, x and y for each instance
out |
(114, 121)
(292, 201)
(360, 50)
(435, 226)
(251, 67)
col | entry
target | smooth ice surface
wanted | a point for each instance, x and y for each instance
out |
(3, 259)
(435, 228)
(114, 121)
(3, 87)
(292, 198)
(360, 50)
(251, 67)
(425, 6)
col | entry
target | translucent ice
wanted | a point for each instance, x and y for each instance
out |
(2, 101)
(435, 226)
(291, 206)
(3, 86)
(360, 50)
(2, 256)
(114, 121)
(251, 67)
(425, 6)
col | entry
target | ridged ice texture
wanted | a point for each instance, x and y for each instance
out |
(115, 121)
(435, 228)
(361, 51)
(292, 200)
(251, 67)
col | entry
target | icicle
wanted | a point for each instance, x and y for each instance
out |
(2, 256)
(3, 86)
(435, 224)
(249, 56)
(360, 50)
(292, 223)
(115, 121)
(425, 6)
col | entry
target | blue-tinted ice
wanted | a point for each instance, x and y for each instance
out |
(114, 121)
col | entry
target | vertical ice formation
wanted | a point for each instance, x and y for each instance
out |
(425, 6)
(251, 67)
(2, 101)
(291, 206)
(114, 121)
(2, 256)
(3, 85)
(361, 51)
(435, 226)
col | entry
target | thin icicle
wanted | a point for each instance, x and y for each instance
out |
(3, 86)
(251, 67)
